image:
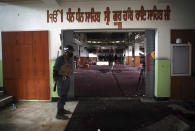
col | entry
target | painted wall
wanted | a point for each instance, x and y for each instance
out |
(25, 16)
(34, 17)
(162, 77)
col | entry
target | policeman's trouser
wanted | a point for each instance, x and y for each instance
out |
(63, 88)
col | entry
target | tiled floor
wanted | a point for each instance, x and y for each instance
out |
(40, 116)
(33, 116)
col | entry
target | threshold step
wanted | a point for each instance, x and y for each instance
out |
(6, 100)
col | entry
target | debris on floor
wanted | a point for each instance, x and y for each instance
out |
(181, 108)
(169, 123)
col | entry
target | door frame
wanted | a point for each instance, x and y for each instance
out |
(149, 94)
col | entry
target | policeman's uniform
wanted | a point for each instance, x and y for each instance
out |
(62, 71)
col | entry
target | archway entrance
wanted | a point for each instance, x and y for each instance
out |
(112, 63)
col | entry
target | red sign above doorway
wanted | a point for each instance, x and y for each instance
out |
(117, 15)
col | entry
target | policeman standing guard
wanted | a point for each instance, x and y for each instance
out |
(62, 72)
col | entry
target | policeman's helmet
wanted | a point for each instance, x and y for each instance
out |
(67, 48)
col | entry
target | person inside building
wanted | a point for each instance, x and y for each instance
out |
(110, 60)
(115, 59)
(141, 77)
(62, 71)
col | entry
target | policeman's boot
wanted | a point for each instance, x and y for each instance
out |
(67, 111)
(61, 115)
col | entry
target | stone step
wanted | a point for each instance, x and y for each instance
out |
(1, 93)
(4, 100)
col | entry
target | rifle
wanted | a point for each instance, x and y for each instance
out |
(54, 89)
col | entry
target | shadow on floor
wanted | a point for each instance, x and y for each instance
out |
(116, 115)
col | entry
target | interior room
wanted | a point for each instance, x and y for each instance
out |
(130, 64)
(109, 64)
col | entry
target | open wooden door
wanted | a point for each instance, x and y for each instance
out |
(26, 64)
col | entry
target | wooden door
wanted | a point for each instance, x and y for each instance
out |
(24, 55)
(41, 63)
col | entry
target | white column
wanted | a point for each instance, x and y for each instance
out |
(83, 52)
(137, 49)
(128, 51)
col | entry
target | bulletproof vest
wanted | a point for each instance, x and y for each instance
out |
(66, 68)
